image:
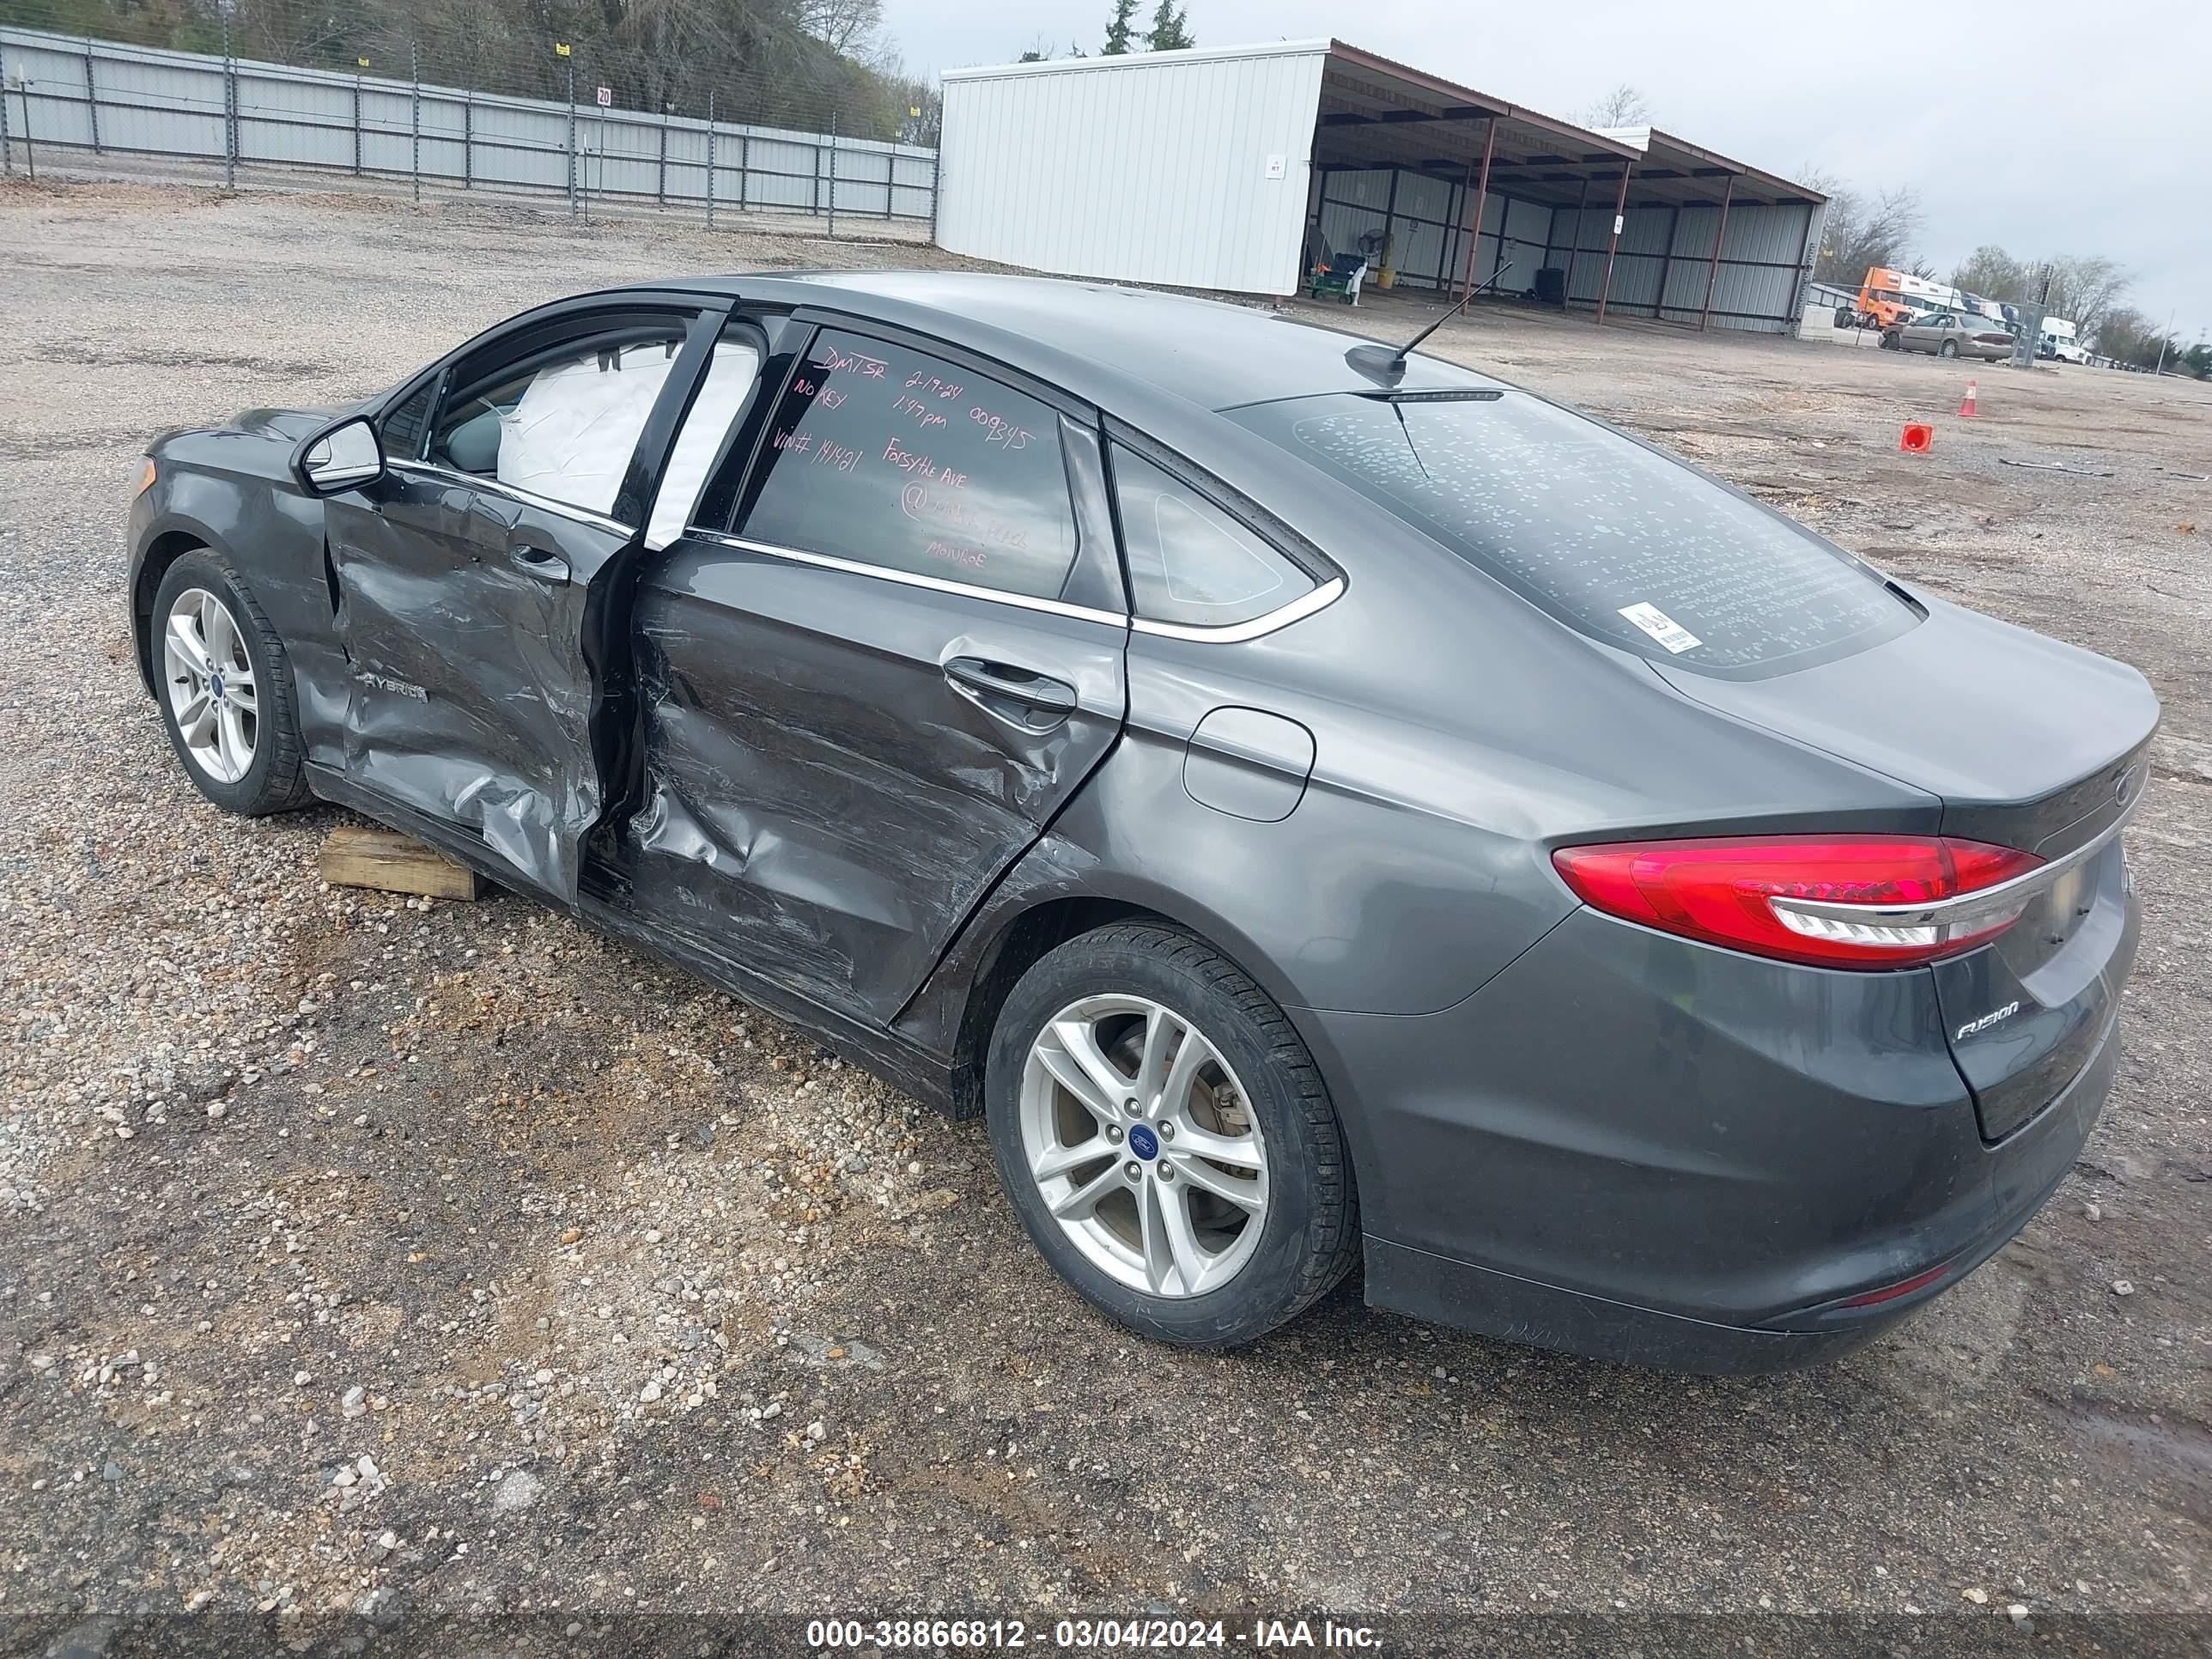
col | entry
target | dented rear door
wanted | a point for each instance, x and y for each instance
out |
(869, 694)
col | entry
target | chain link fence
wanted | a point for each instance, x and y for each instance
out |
(77, 99)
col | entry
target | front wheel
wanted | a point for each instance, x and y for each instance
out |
(1167, 1139)
(1950, 348)
(226, 698)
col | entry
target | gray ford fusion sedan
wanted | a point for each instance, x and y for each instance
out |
(1322, 805)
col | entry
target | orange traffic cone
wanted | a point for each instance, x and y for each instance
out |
(1967, 403)
(1917, 439)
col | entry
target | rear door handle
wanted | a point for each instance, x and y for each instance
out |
(540, 563)
(1049, 699)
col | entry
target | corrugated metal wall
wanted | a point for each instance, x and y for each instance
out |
(1189, 169)
(1426, 220)
(99, 95)
(1663, 247)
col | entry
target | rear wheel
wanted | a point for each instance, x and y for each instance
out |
(1950, 348)
(225, 696)
(1166, 1137)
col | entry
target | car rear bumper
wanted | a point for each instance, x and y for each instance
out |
(1646, 1149)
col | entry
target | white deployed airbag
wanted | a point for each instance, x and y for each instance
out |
(571, 437)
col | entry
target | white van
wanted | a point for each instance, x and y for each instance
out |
(2058, 342)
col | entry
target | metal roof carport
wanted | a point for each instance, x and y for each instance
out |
(1213, 168)
(1639, 221)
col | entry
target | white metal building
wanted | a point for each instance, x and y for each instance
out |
(1225, 168)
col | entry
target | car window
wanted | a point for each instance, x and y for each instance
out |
(1608, 537)
(888, 456)
(732, 374)
(406, 422)
(1190, 562)
(563, 426)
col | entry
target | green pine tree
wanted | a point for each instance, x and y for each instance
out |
(1119, 35)
(1171, 28)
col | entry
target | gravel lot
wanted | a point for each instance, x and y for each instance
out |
(364, 1256)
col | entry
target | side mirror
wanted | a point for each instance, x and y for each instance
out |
(340, 458)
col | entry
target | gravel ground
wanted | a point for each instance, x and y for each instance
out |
(365, 1256)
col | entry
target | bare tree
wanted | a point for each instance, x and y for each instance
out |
(1859, 233)
(846, 26)
(1991, 271)
(1624, 107)
(2085, 288)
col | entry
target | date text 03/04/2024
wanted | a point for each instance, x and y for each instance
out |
(1140, 1634)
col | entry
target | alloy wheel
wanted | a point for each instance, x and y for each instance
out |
(1144, 1146)
(213, 694)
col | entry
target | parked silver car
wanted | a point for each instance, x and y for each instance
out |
(1950, 335)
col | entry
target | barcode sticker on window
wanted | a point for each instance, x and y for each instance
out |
(1662, 627)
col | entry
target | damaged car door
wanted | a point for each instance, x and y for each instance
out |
(871, 681)
(472, 581)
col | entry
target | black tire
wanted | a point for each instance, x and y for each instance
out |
(276, 779)
(1310, 1232)
(1950, 348)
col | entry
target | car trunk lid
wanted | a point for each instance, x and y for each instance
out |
(2030, 743)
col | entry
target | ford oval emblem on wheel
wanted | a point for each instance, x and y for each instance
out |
(1143, 1142)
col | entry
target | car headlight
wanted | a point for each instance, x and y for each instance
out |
(145, 479)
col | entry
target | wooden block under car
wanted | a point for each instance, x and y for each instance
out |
(396, 863)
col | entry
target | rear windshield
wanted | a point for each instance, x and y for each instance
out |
(1603, 533)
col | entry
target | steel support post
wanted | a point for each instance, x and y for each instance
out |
(1481, 200)
(91, 100)
(1612, 243)
(1713, 270)
(230, 109)
(1574, 248)
(7, 145)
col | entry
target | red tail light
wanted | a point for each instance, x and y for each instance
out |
(1903, 1287)
(1835, 901)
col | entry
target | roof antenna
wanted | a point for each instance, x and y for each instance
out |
(1388, 367)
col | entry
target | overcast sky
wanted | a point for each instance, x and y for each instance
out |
(2055, 140)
